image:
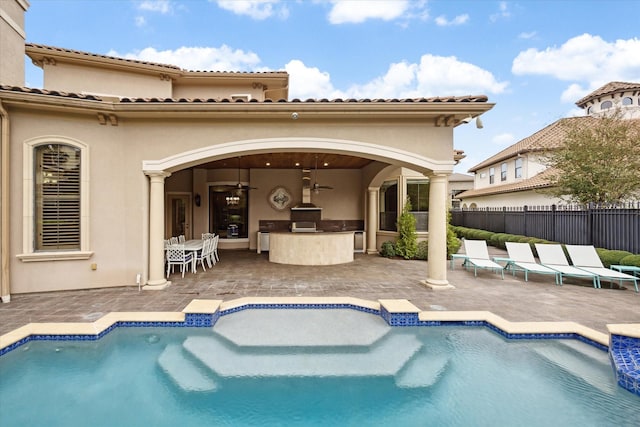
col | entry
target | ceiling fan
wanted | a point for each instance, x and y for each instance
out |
(239, 187)
(317, 187)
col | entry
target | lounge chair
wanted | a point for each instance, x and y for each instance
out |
(521, 258)
(553, 257)
(478, 257)
(586, 258)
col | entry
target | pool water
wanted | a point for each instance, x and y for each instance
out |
(375, 375)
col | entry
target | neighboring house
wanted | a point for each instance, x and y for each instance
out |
(459, 183)
(514, 176)
(113, 156)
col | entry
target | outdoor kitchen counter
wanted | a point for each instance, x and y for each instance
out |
(311, 248)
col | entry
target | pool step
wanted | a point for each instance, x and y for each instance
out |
(384, 359)
(183, 371)
(424, 370)
(601, 377)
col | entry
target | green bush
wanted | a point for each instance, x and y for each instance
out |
(388, 249)
(631, 260)
(407, 244)
(497, 240)
(423, 250)
(609, 257)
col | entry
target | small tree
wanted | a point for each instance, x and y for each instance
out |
(598, 162)
(407, 245)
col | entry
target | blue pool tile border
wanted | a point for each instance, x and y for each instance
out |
(624, 351)
(625, 356)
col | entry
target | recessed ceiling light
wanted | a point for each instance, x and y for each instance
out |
(268, 163)
(297, 163)
(326, 164)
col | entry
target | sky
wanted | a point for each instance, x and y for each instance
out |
(533, 59)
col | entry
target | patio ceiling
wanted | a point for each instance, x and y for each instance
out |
(295, 160)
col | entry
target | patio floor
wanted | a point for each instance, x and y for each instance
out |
(244, 273)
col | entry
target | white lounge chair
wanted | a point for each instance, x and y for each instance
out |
(521, 258)
(586, 258)
(478, 257)
(551, 255)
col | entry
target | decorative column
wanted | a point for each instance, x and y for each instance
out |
(437, 263)
(156, 231)
(372, 221)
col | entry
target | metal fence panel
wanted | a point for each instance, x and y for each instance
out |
(611, 227)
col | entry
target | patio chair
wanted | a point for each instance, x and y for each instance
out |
(551, 255)
(177, 255)
(478, 257)
(214, 250)
(586, 258)
(521, 258)
(203, 255)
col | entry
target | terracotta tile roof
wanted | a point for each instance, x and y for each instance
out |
(609, 89)
(460, 99)
(60, 93)
(548, 137)
(54, 49)
(538, 181)
(40, 48)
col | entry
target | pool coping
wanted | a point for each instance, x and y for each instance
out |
(623, 342)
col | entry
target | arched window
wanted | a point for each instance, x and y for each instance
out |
(57, 197)
(56, 194)
(606, 105)
(627, 100)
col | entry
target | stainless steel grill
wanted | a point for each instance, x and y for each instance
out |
(303, 227)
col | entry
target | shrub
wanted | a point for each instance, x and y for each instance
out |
(609, 258)
(388, 249)
(423, 250)
(407, 244)
(631, 260)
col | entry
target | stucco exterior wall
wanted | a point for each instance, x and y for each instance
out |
(215, 92)
(119, 189)
(80, 79)
(12, 38)
(519, 199)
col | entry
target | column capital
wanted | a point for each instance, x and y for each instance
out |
(157, 174)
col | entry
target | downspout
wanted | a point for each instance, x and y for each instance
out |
(5, 287)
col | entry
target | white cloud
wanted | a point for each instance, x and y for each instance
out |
(309, 82)
(256, 9)
(223, 58)
(503, 12)
(503, 139)
(573, 93)
(355, 12)
(583, 58)
(528, 35)
(140, 21)
(161, 6)
(442, 21)
(433, 76)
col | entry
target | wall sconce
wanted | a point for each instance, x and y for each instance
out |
(198, 200)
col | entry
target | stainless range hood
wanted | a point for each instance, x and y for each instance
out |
(306, 204)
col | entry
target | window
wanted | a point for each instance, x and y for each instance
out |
(590, 109)
(229, 214)
(418, 194)
(56, 200)
(519, 167)
(606, 105)
(492, 175)
(503, 172)
(627, 101)
(389, 206)
(57, 197)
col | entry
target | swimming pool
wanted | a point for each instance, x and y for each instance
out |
(311, 367)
